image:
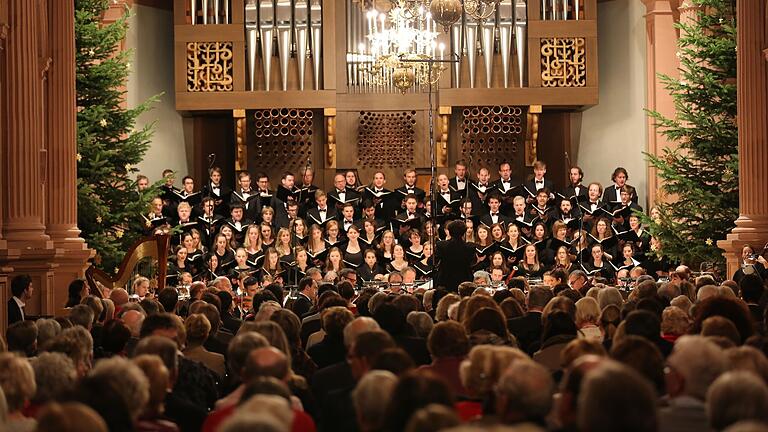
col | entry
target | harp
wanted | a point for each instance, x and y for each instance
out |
(147, 257)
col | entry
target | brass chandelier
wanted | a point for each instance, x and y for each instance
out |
(402, 43)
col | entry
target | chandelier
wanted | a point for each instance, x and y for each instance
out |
(402, 48)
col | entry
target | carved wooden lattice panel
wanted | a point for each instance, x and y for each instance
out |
(209, 66)
(281, 139)
(386, 139)
(563, 62)
(490, 135)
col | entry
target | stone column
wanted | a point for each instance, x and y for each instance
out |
(28, 249)
(752, 96)
(23, 214)
(61, 206)
(661, 49)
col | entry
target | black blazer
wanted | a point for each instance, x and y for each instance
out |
(301, 305)
(14, 311)
(612, 195)
(313, 215)
(548, 184)
(488, 221)
(453, 183)
(527, 330)
(455, 260)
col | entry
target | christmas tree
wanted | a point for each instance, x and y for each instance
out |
(700, 175)
(109, 147)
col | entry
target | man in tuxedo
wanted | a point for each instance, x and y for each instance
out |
(382, 198)
(527, 328)
(306, 297)
(220, 193)
(459, 183)
(479, 191)
(238, 222)
(21, 288)
(538, 181)
(409, 188)
(411, 218)
(494, 215)
(575, 188)
(612, 194)
(322, 213)
(504, 185)
(340, 194)
(347, 218)
(246, 197)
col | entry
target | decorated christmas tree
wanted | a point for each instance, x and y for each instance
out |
(700, 175)
(109, 147)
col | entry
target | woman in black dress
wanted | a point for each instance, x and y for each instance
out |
(353, 252)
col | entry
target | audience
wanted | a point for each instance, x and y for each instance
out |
(666, 358)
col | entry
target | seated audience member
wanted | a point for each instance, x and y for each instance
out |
(734, 397)
(17, 381)
(198, 328)
(614, 398)
(448, 345)
(524, 394)
(375, 387)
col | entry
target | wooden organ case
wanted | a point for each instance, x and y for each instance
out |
(274, 85)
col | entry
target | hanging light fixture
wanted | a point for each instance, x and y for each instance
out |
(402, 46)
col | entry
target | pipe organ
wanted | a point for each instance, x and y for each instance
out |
(306, 58)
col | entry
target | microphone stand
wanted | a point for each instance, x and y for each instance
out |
(432, 154)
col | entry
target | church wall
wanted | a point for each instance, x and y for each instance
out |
(151, 37)
(614, 132)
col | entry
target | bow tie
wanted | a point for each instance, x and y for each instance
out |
(459, 180)
(539, 181)
(246, 191)
(494, 214)
(322, 210)
(410, 215)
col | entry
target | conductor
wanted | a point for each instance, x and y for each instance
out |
(455, 258)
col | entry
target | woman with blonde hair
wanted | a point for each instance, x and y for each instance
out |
(198, 330)
(283, 245)
(587, 316)
(479, 374)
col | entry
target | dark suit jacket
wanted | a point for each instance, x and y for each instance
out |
(454, 185)
(488, 221)
(570, 191)
(455, 258)
(548, 184)
(313, 215)
(14, 311)
(527, 330)
(612, 195)
(328, 351)
(301, 305)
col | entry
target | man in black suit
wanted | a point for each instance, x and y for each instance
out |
(612, 194)
(409, 188)
(322, 213)
(575, 188)
(495, 215)
(507, 187)
(21, 288)
(306, 297)
(455, 258)
(341, 195)
(460, 183)
(538, 182)
(247, 197)
(527, 329)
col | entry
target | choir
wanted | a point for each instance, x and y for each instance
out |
(518, 228)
